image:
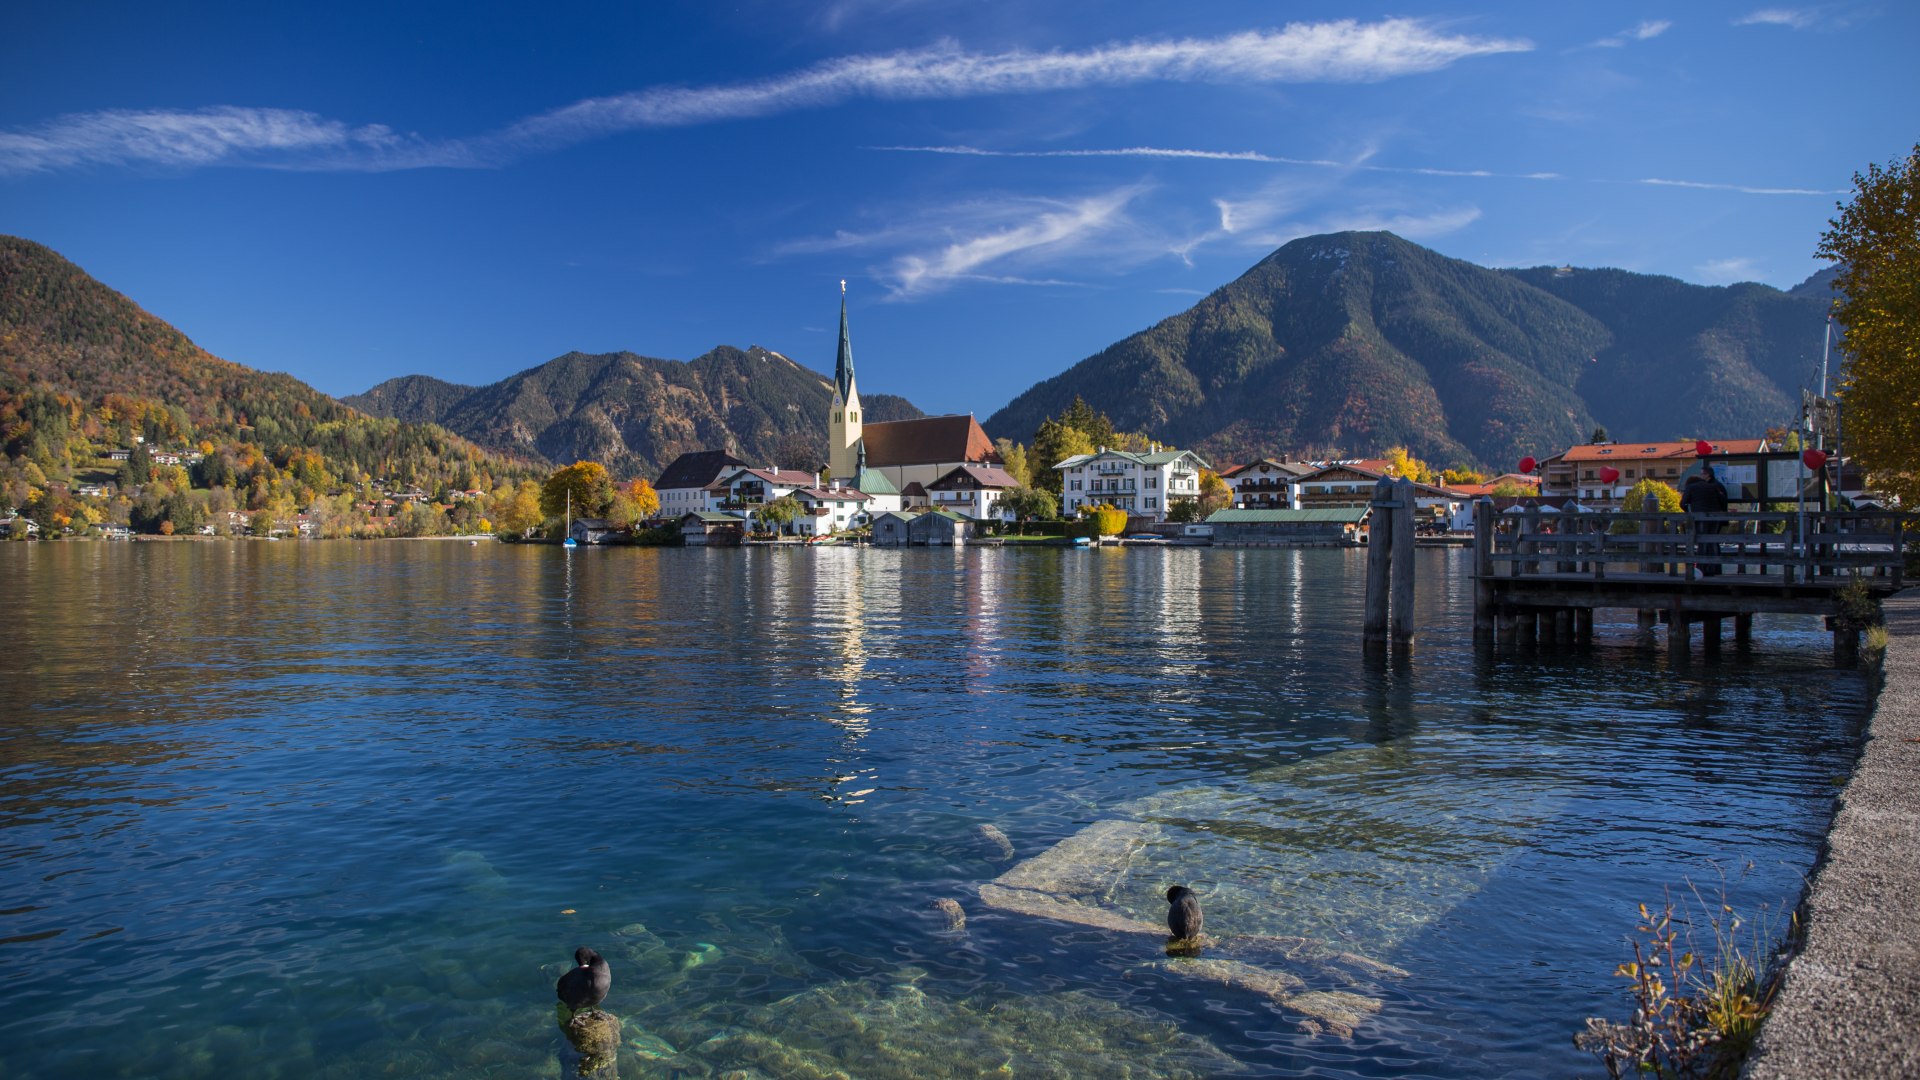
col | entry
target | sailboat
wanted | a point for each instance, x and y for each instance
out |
(570, 541)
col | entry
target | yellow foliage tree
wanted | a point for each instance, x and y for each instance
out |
(1108, 520)
(1876, 241)
(1403, 464)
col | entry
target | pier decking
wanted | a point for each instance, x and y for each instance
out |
(1540, 576)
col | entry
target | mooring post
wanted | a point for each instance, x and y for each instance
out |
(1563, 626)
(1483, 631)
(1583, 624)
(1679, 633)
(1401, 570)
(1648, 618)
(1379, 554)
(1710, 633)
(1529, 627)
(1743, 627)
(1506, 628)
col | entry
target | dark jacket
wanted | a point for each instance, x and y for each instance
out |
(1704, 495)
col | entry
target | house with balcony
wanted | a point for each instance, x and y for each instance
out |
(1265, 484)
(973, 491)
(749, 489)
(1143, 485)
(685, 484)
(1599, 475)
(830, 509)
(1348, 486)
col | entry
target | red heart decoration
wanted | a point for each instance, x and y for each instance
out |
(1703, 448)
(1527, 463)
(1814, 459)
(1608, 474)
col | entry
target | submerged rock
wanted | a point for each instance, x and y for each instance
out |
(951, 914)
(595, 1036)
(995, 842)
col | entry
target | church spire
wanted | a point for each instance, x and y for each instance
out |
(843, 366)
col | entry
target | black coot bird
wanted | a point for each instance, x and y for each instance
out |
(586, 984)
(1183, 918)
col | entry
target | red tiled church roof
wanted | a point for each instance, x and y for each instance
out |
(930, 440)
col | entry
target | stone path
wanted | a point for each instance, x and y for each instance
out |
(1850, 1005)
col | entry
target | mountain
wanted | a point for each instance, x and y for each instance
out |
(1349, 343)
(84, 370)
(635, 414)
(417, 399)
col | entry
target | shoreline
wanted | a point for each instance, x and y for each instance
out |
(1849, 999)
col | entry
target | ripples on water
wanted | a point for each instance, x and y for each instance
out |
(333, 809)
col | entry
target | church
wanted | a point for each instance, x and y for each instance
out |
(908, 455)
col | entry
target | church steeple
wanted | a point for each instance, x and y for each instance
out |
(843, 416)
(843, 365)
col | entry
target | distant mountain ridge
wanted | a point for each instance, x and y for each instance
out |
(634, 413)
(1353, 342)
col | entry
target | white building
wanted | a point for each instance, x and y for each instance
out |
(1141, 484)
(972, 490)
(746, 489)
(829, 510)
(686, 485)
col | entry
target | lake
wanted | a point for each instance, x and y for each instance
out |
(336, 809)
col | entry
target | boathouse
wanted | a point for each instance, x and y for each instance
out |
(1327, 526)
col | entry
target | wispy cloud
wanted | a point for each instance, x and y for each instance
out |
(1796, 18)
(1744, 189)
(1008, 241)
(1728, 271)
(1363, 165)
(222, 135)
(1328, 52)
(1651, 28)
(1251, 156)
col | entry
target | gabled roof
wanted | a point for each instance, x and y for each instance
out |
(875, 482)
(1316, 476)
(1154, 459)
(832, 494)
(697, 469)
(794, 478)
(930, 440)
(708, 517)
(985, 476)
(1286, 468)
(1348, 515)
(1642, 451)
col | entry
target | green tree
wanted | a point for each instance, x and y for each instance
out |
(1030, 504)
(1184, 510)
(1876, 241)
(1512, 489)
(780, 512)
(588, 485)
(1054, 443)
(1094, 425)
(1635, 501)
(1599, 435)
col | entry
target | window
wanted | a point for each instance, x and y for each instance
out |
(1076, 485)
(853, 417)
(836, 416)
(1150, 504)
(1153, 481)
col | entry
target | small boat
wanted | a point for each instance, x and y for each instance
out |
(1082, 541)
(570, 541)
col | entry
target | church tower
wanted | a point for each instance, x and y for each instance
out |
(843, 419)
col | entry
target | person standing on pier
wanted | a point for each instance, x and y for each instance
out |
(1705, 494)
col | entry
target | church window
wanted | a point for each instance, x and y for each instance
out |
(836, 416)
(853, 417)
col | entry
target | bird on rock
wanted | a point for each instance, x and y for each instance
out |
(587, 982)
(1183, 917)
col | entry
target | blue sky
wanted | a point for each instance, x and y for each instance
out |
(352, 192)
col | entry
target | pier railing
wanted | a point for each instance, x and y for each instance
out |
(1815, 548)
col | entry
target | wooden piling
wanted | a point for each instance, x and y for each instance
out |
(1379, 553)
(1648, 619)
(1563, 626)
(1483, 618)
(1583, 624)
(1529, 627)
(1506, 628)
(1400, 624)
(1679, 635)
(1743, 627)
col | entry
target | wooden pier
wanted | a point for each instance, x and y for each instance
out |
(1539, 576)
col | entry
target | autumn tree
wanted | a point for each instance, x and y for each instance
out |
(1013, 457)
(1403, 464)
(1876, 241)
(516, 508)
(584, 485)
(645, 499)
(1214, 494)
(1108, 520)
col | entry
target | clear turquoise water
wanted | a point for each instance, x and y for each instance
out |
(345, 809)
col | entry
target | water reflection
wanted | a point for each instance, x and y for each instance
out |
(328, 809)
